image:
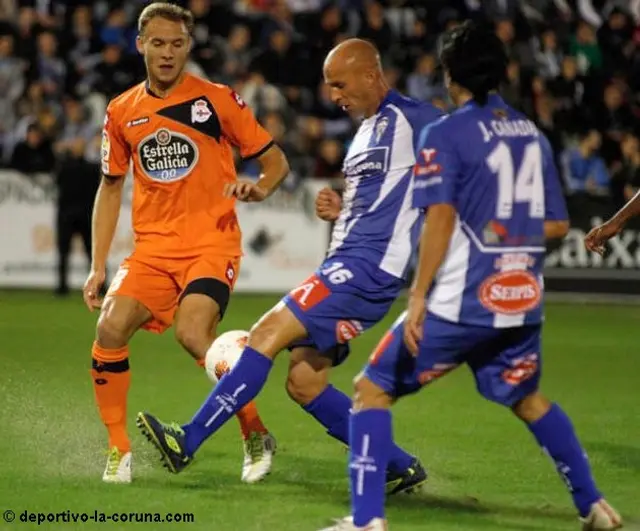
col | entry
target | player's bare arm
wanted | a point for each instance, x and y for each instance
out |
(275, 168)
(328, 204)
(434, 243)
(106, 211)
(598, 236)
(556, 229)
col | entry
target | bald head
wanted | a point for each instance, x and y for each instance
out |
(354, 53)
(354, 73)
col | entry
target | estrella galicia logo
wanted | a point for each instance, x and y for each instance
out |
(368, 162)
(167, 156)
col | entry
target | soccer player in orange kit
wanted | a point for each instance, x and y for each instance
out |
(178, 131)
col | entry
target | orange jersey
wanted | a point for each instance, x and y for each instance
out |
(181, 148)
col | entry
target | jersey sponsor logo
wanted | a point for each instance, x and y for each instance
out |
(521, 370)
(105, 150)
(311, 292)
(369, 161)
(200, 112)
(510, 292)
(426, 164)
(348, 330)
(167, 156)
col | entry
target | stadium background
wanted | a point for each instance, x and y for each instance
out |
(575, 70)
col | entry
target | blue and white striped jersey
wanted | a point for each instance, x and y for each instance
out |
(378, 223)
(496, 168)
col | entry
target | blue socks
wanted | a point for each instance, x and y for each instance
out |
(232, 393)
(555, 434)
(371, 440)
(331, 408)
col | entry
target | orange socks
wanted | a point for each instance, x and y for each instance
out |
(111, 379)
(248, 417)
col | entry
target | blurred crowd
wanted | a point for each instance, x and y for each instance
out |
(574, 69)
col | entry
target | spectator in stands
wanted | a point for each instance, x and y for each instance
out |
(568, 90)
(583, 170)
(49, 69)
(12, 84)
(34, 154)
(614, 37)
(520, 51)
(424, 83)
(613, 118)
(585, 47)
(208, 47)
(629, 174)
(375, 27)
(329, 159)
(237, 53)
(550, 55)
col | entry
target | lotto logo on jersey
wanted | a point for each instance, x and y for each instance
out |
(348, 330)
(510, 292)
(230, 273)
(166, 156)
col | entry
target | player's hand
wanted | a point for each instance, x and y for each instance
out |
(416, 313)
(598, 236)
(91, 290)
(247, 191)
(328, 204)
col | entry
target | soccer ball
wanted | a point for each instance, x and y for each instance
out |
(224, 353)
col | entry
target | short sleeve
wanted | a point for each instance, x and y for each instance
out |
(115, 152)
(554, 203)
(436, 170)
(240, 125)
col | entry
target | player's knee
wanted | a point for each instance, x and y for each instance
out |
(368, 395)
(304, 386)
(193, 339)
(532, 407)
(113, 329)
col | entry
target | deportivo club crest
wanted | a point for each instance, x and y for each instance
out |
(200, 112)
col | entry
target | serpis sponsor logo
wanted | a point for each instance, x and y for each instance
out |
(510, 292)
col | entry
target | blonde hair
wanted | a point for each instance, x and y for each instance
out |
(166, 10)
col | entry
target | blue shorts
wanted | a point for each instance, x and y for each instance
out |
(341, 300)
(506, 362)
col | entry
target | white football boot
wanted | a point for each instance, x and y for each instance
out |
(118, 469)
(259, 450)
(346, 524)
(602, 517)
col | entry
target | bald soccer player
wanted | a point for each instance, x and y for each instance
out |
(376, 231)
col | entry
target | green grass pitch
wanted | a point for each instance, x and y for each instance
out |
(486, 470)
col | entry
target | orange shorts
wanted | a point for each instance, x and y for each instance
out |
(159, 283)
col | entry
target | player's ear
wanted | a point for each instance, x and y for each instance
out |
(139, 46)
